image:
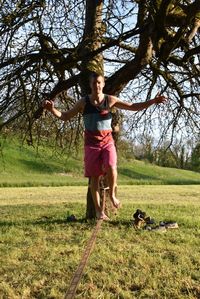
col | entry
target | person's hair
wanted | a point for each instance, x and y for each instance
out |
(94, 75)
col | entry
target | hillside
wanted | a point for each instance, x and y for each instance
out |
(27, 166)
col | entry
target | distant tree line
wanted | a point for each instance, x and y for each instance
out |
(180, 155)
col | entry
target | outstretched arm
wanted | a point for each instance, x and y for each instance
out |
(159, 99)
(66, 115)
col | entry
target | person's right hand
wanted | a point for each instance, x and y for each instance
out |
(48, 105)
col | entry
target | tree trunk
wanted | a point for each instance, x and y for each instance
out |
(91, 41)
(90, 208)
(104, 200)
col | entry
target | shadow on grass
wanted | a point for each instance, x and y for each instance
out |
(130, 173)
(141, 178)
(40, 166)
(47, 221)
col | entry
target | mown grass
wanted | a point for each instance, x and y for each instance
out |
(24, 166)
(40, 250)
(138, 172)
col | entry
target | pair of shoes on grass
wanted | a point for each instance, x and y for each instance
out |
(162, 227)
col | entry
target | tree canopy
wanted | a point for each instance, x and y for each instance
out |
(48, 47)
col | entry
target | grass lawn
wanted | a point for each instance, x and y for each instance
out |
(40, 250)
(24, 166)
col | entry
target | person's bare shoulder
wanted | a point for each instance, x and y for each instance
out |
(112, 100)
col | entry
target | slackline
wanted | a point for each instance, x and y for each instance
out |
(79, 271)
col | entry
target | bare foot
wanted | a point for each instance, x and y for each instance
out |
(116, 203)
(102, 216)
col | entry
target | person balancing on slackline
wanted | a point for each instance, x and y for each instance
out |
(99, 149)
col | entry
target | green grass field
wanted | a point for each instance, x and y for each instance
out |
(40, 250)
(24, 166)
